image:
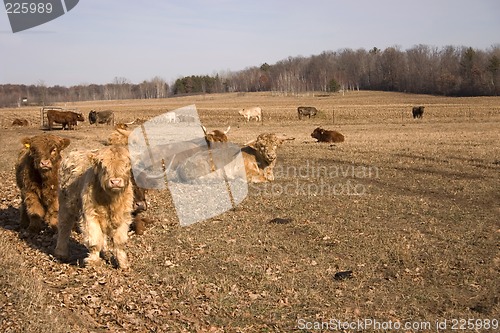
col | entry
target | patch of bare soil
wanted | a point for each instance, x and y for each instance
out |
(398, 224)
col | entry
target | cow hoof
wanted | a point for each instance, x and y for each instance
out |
(61, 254)
(35, 227)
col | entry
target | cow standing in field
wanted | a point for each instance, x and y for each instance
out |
(65, 118)
(139, 222)
(249, 113)
(38, 180)
(309, 111)
(418, 112)
(100, 198)
(323, 135)
(102, 117)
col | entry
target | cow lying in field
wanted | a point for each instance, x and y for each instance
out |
(102, 117)
(260, 157)
(65, 118)
(37, 178)
(100, 198)
(167, 157)
(20, 122)
(323, 135)
(215, 135)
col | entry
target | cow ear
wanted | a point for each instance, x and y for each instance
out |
(26, 142)
(93, 159)
(63, 143)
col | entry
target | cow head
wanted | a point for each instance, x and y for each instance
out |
(80, 117)
(318, 133)
(140, 203)
(45, 150)
(92, 117)
(216, 135)
(267, 145)
(112, 167)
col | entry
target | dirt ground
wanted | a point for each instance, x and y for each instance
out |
(411, 207)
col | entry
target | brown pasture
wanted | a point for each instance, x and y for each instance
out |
(411, 207)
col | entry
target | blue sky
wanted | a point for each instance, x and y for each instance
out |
(102, 39)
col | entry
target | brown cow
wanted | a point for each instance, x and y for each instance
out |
(417, 112)
(66, 118)
(101, 200)
(215, 135)
(327, 136)
(20, 122)
(102, 117)
(37, 178)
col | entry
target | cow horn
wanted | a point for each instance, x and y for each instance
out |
(250, 142)
(227, 131)
(204, 129)
(133, 121)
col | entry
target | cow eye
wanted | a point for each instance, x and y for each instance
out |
(54, 151)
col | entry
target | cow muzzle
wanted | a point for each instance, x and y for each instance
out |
(116, 184)
(140, 206)
(45, 165)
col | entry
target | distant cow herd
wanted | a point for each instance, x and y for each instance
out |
(69, 119)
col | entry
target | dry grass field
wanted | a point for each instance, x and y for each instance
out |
(411, 207)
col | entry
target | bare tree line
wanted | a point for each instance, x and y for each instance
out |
(119, 88)
(449, 71)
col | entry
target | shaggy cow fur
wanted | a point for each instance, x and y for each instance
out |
(260, 157)
(327, 136)
(37, 178)
(101, 200)
(139, 222)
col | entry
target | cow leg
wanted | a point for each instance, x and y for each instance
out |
(66, 223)
(93, 238)
(51, 216)
(119, 239)
(25, 220)
(34, 211)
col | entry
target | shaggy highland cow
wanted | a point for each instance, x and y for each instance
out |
(37, 178)
(139, 222)
(101, 199)
(260, 157)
